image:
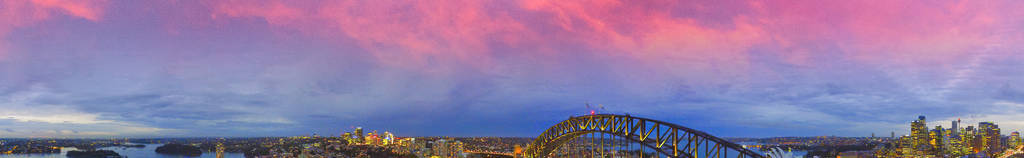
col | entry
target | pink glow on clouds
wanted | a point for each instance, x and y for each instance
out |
(917, 32)
(646, 32)
(85, 9)
(400, 33)
(414, 33)
(410, 32)
(444, 50)
(18, 13)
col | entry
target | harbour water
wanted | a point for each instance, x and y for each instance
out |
(145, 152)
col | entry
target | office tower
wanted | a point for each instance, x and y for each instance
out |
(359, 135)
(905, 144)
(919, 134)
(956, 128)
(936, 142)
(1014, 140)
(947, 140)
(990, 139)
(970, 139)
(951, 143)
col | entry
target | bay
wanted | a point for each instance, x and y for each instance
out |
(145, 152)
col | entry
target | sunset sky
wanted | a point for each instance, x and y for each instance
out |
(732, 68)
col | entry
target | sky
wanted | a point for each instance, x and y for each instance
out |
(732, 68)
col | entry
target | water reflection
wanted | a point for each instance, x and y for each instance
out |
(145, 152)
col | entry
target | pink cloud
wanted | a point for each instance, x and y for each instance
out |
(85, 9)
(664, 34)
(15, 14)
(399, 33)
(902, 32)
(678, 39)
(412, 33)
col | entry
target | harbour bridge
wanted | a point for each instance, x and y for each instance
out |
(607, 135)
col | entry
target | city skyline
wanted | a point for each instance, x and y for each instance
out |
(957, 141)
(146, 69)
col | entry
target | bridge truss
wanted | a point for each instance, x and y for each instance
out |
(608, 135)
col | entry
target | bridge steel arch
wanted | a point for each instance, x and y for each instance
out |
(666, 138)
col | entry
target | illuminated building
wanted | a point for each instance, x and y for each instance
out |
(372, 138)
(377, 138)
(955, 145)
(388, 138)
(970, 140)
(406, 145)
(1014, 140)
(981, 141)
(920, 135)
(948, 147)
(220, 150)
(990, 139)
(448, 148)
(359, 135)
(936, 140)
(348, 138)
(906, 146)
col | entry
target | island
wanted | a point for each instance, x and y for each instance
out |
(93, 154)
(179, 149)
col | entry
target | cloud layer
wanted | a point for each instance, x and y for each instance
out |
(470, 68)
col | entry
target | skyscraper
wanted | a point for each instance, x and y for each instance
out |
(906, 146)
(970, 139)
(990, 138)
(956, 128)
(937, 137)
(1014, 140)
(359, 135)
(948, 142)
(919, 134)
